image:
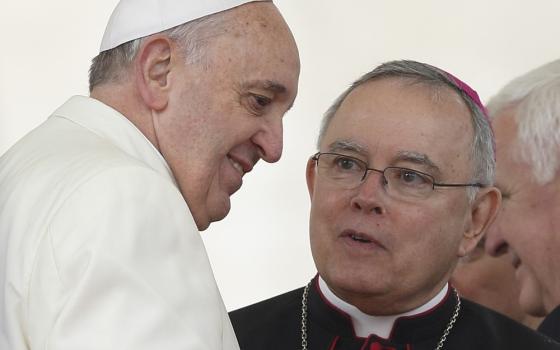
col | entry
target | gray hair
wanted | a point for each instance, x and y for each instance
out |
(536, 99)
(192, 37)
(482, 151)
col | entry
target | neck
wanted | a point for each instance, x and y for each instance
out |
(382, 326)
(123, 99)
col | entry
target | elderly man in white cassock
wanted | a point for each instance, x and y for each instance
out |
(100, 206)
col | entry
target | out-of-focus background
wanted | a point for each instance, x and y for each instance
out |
(262, 249)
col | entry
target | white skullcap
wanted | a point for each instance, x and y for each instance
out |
(134, 19)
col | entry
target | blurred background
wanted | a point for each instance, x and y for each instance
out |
(262, 248)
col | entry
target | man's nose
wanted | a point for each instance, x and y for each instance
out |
(369, 193)
(269, 141)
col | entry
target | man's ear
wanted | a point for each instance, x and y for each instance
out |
(310, 173)
(483, 211)
(152, 68)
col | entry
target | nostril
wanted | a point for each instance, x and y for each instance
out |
(378, 210)
(501, 249)
(496, 248)
(260, 152)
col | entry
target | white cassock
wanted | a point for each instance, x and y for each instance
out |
(98, 249)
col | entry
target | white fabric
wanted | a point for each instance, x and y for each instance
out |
(365, 324)
(133, 19)
(98, 249)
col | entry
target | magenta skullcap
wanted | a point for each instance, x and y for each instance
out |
(471, 93)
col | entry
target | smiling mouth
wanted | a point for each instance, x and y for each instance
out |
(516, 262)
(237, 166)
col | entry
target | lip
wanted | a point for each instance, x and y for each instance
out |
(246, 165)
(358, 239)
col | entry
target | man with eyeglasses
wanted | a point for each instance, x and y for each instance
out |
(400, 189)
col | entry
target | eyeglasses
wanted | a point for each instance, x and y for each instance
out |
(349, 172)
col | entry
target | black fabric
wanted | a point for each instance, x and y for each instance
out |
(275, 324)
(551, 324)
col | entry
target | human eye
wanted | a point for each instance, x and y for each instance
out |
(348, 164)
(258, 103)
(411, 178)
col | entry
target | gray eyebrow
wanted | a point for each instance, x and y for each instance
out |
(403, 156)
(418, 158)
(347, 145)
(270, 85)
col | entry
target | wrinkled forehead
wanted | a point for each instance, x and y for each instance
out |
(395, 120)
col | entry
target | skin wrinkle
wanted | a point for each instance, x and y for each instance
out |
(529, 242)
(490, 281)
(212, 120)
(406, 273)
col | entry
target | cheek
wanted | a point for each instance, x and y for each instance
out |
(422, 226)
(433, 239)
(529, 237)
(531, 292)
(539, 252)
(328, 211)
(327, 201)
(532, 236)
(321, 218)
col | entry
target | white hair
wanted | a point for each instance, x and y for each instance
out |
(192, 37)
(535, 99)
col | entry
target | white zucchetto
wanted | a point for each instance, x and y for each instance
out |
(133, 19)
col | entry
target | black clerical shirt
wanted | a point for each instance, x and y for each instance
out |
(275, 324)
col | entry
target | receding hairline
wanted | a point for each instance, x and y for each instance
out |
(435, 94)
(251, 15)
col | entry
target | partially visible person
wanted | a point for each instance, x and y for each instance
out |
(490, 281)
(526, 119)
(100, 206)
(401, 188)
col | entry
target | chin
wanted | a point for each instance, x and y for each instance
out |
(216, 213)
(531, 303)
(203, 226)
(219, 209)
(201, 222)
(354, 283)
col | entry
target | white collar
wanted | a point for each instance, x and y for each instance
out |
(364, 324)
(109, 124)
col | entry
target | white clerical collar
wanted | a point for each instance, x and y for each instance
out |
(365, 324)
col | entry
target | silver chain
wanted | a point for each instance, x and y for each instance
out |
(304, 319)
(451, 321)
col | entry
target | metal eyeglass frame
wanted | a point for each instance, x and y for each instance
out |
(435, 184)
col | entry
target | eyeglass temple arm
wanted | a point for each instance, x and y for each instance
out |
(478, 184)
